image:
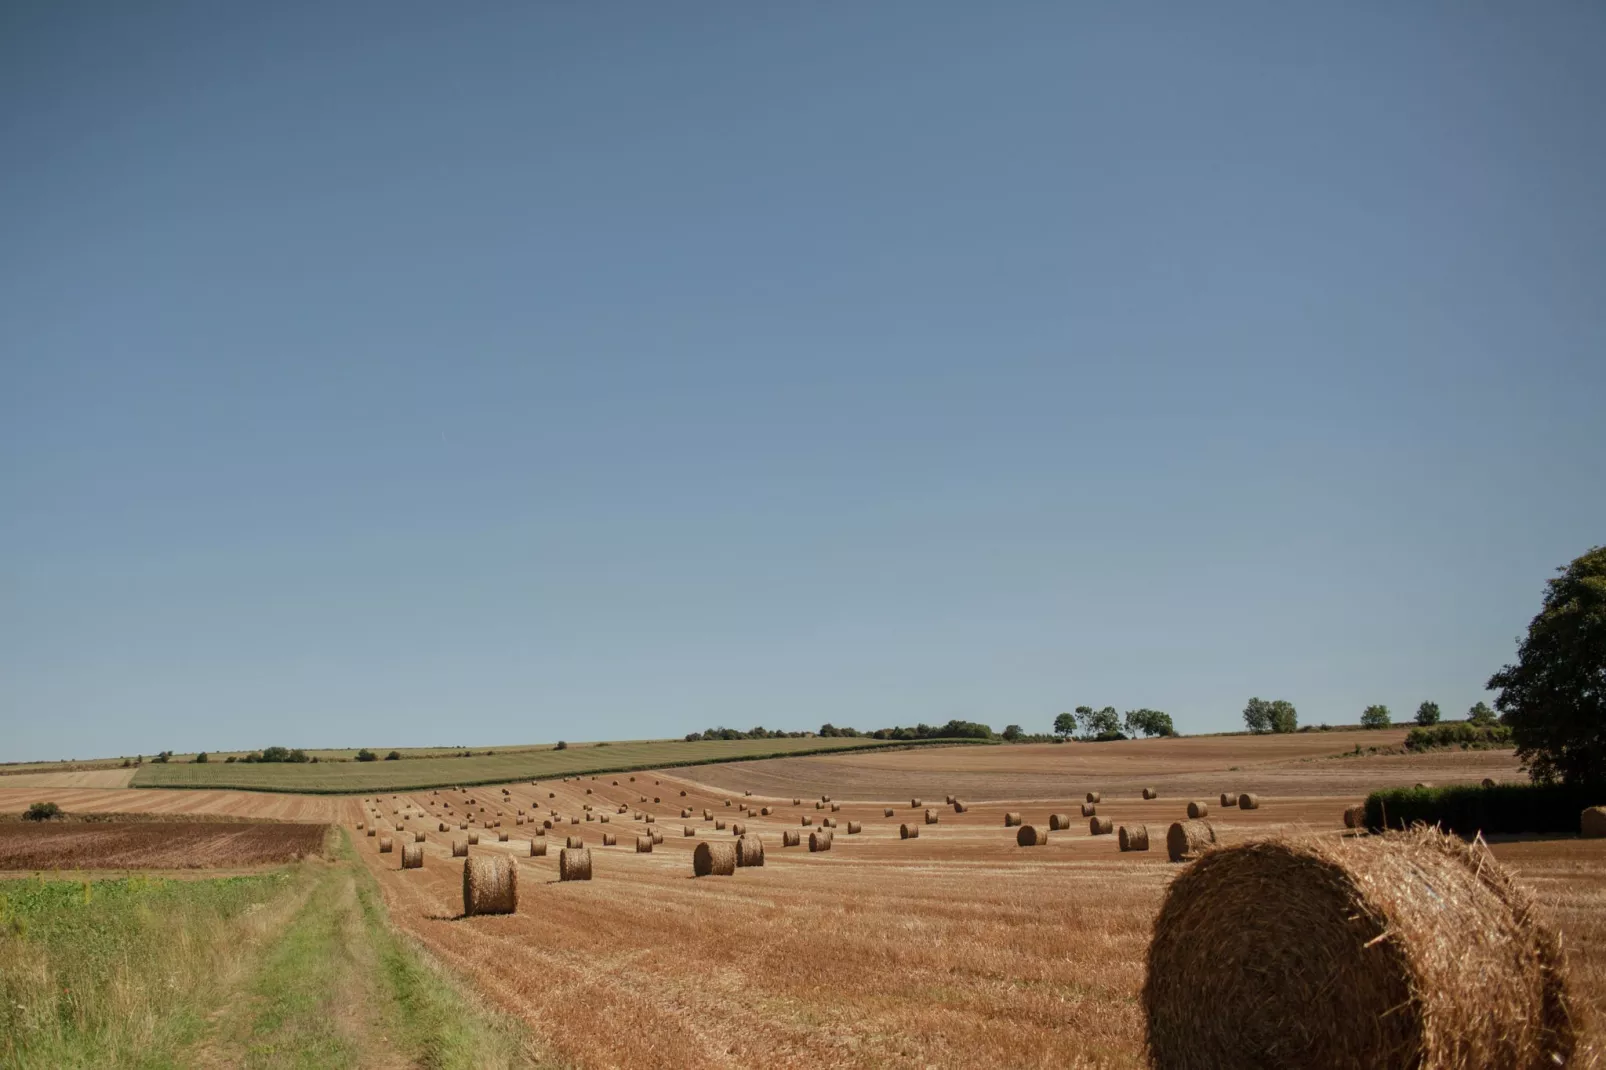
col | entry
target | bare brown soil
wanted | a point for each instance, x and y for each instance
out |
(154, 844)
(322, 809)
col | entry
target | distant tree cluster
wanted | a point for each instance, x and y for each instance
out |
(163, 757)
(43, 811)
(277, 754)
(761, 733)
(955, 729)
(1105, 724)
(366, 755)
(1276, 715)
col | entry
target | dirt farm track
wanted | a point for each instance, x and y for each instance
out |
(955, 949)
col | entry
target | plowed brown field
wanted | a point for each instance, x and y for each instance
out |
(956, 949)
(321, 809)
(154, 845)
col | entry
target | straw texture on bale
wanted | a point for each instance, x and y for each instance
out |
(1011, 819)
(807, 820)
(687, 830)
(609, 839)
(1150, 793)
(490, 885)
(931, 817)
(644, 845)
(418, 837)
(1248, 801)
(537, 848)
(1355, 816)
(1184, 840)
(820, 840)
(412, 856)
(1031, 836)
(1228, 798)
(1405, 950)
(854, 828)
(1100, 826)
(474, 837)
(791, 837)
(719, 826)
(384, 845)
(1095, 796)
(657, 836)
(1133, 837)
(908, 832)
(1198, 808)
(574, 841)
(459, 848)
(750, 851)
(914, 804)
(828, 822)
(1088, 809)
(1059, 822)
(1592, 823)
(737, 828)
(574, 864)
(713, 859)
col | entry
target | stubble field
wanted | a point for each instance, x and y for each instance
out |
(155, 844)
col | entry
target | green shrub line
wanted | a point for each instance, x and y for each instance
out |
(1459, 734)
(1467, 809)
(223, 784)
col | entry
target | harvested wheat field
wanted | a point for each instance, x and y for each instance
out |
(956, 949)
(155, 844)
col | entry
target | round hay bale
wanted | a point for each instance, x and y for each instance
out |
(442, 827)
(820, 840)
(473, 837)
(949, 799)
(764, 812)
(719, 826)
(797, 802)
(1355, 816)
(1488, 782)
(623, 810)
(384, 845)
(591, 817)
(807, 820)
(1011, 819)
(825, 798)
(656, 799)
(1422, 784)
(490, 885)
(1059, 822)
(886, 812)
(1031, 836)
(819, 806)
(459, 848)
(1394, 951)
(359, 826)
(931, 817)
(574, 820)
(836, 808)
(712, 859)
(1228, 798)
(791, 837)
(604, 818)
(501, 837)
(685, 814)
(546, 822)
(418, 837)
(1184, 840)
(1133, 837)
(1150, 793)
(708, 815)
(609, 839)
(908, 832)
(462, 826)
(1592, 823)
(412, 856)
(574, 841)
(1248, 801)
(644, 845)
(1095, 796)
(1100, 826)
(959, 807)
(574, 864)
(1197, 809)
(727, 802)
(854, 828)
(687, 830)
(737, 828)
(749, 851)
(683, 792)
(745, 793)
(537, 848)
(657, 837)
(1089, 810)
(914, 804)
(373, 832)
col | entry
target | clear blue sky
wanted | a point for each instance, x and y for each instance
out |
(411, 373)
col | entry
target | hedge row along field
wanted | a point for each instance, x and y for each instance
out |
(1468, 810)
(339, 778)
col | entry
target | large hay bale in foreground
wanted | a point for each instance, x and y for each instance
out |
(1198, 808)
(1031, 836)
(1100, 826)
(412, 856)
(750, 851)
(1185, 839)
(791, 837)
(385, 845)
(713, 859)
(1011, 819)
(574, 864)
(820, 840)
(1248, 801)
(1412, 950)
(1133, 837)
(490, 885)
(1059, 822)
(908, 832)
(459, 848)
(1592, 823)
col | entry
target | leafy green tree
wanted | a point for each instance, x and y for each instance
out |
(1278, 715)
(42, 811)
(1012, 732)
(1149, 723)
(564, 746)
(1065, 725)
(1375, 717)
(393, 756)
(1427, 714)
(1554, 697)
(202, 758)
(1096, 723)
(1480, 714)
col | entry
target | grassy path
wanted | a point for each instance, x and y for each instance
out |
(295, 969)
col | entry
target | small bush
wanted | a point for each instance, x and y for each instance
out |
(366, 755)
(561, 746)
(229, 760)
(1459, 734)
(393, 756)
(43, 811)
(1467, 810)
(202, 758)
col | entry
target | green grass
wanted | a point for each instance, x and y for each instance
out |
(295, 968)
(502, 767)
